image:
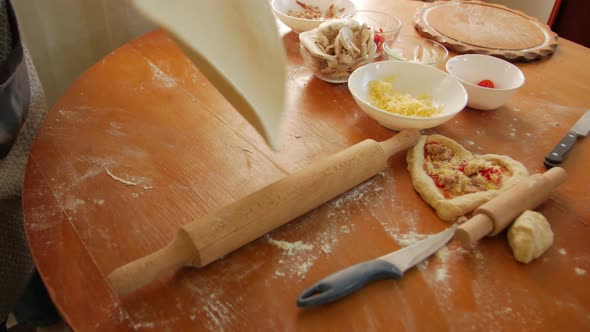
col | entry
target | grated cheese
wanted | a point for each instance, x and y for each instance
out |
(456, 175)
(382, 95)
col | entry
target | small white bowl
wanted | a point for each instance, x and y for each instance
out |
(415, 79)
(470, 69)
(281, 9)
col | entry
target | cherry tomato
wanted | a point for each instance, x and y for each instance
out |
(379, 39)
(486, 84)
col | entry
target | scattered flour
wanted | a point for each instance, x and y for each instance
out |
(158, 75)
(441, 274)
(290, 247)
(580, 272)
(123, 181)
(326, 248)
(478, 255)
(443, 253)
(72, 203)
(303, 268)
(299, 256)
(143, 325)
(408, 239)
(220, 313)
(562, 251)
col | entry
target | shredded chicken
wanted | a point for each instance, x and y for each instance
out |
(310, 12)
(475, 165)
(457, 176)
(439, 152)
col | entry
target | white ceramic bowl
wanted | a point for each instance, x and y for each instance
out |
(470, 69)
(281, 9)
(412, 78)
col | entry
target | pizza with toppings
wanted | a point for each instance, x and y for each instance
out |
(454, 181)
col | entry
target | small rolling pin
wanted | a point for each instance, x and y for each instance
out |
(495, 215)
(204, 240)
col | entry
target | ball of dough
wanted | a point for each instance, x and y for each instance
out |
(530, 236)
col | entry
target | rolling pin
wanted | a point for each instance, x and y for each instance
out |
(205, 240)
(495, 215)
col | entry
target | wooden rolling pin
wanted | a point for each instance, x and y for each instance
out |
(204, 240)
(492, 217)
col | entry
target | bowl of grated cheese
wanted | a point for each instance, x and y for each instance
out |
(406, 95)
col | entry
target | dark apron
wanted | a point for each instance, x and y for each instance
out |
(15, 92)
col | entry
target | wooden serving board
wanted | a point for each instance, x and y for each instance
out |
(485, 28)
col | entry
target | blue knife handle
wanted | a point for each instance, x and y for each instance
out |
(556, 156)
(346, 281)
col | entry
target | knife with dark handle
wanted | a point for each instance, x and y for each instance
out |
(390, 266)
(580, 129)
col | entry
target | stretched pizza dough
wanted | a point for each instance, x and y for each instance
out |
(237, 45)
(530, 236)
(449, 209)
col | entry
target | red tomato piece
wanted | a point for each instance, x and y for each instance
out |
(486, 84)
(379, 39)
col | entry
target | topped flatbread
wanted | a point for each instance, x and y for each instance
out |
(454, 181)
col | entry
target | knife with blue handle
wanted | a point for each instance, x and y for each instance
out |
(390, 266)
(580, 129)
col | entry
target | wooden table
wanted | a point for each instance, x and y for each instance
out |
(144, 114)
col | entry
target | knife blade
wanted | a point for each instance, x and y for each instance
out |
(390, 266)
(580, 129)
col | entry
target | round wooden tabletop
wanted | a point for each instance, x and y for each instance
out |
(142, 144)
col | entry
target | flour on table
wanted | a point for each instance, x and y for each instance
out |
(407, 239)
(580, 272)
(290, 247)
(158, 75)
(72, 203)
(296, 250)
(562, 251)
(441, 274)
(123, 181)
(345, 229)
(298, 257)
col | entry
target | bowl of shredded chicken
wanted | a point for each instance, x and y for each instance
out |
(404, 95)
(305, 15)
